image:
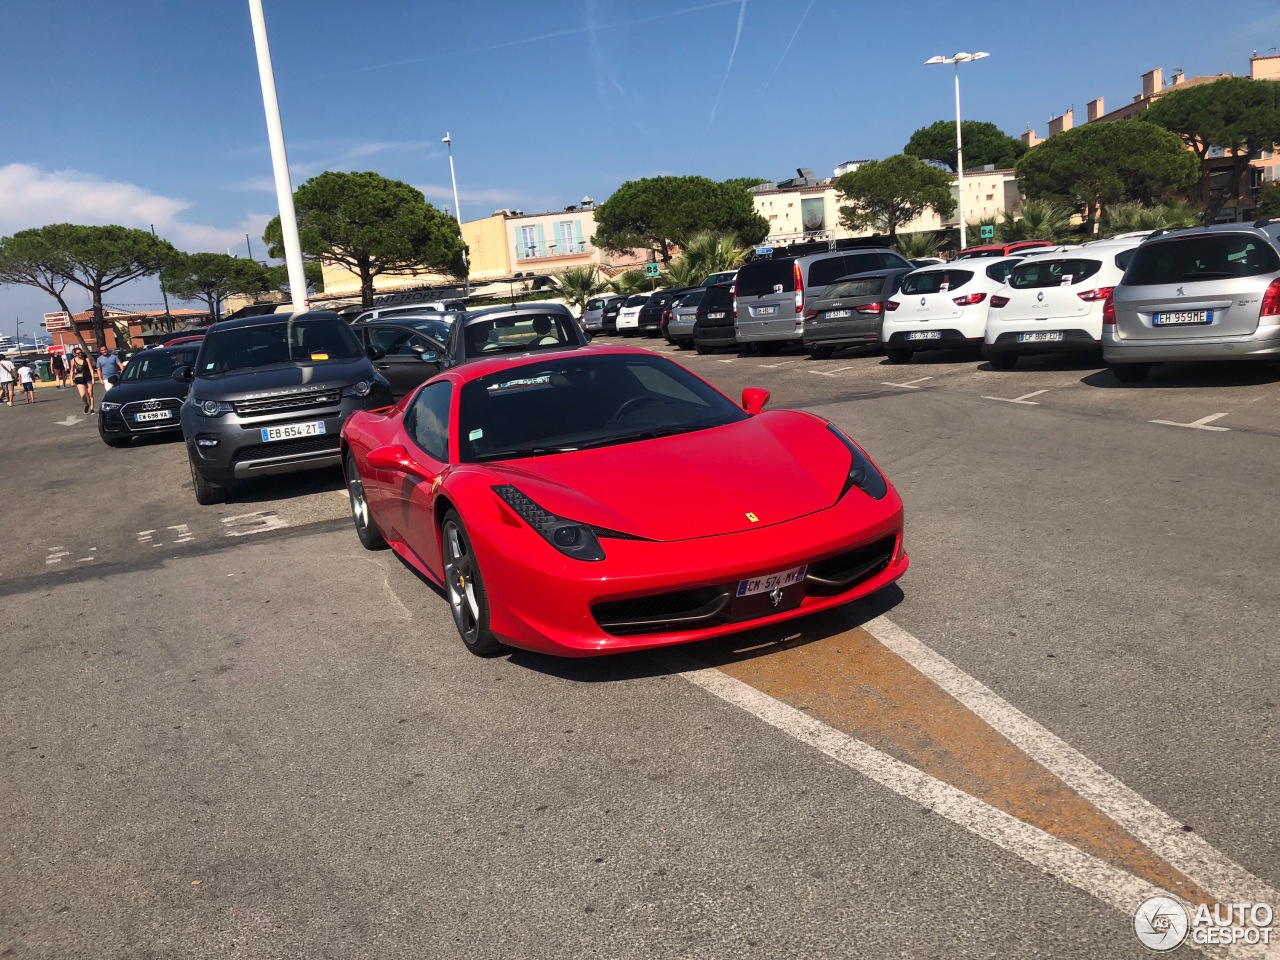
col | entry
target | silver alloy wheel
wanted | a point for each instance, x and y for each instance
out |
(459, 578)
(359, 503)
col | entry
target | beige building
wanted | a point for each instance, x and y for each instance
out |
(805, 208)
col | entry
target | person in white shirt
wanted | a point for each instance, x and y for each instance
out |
(26, 376)
(7, 375)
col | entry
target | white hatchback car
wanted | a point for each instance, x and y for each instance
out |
(1054, 303)
(629, 314)
(943, 307)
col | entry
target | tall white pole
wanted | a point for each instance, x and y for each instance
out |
(457, 211)
(279, 161)
(959, 160)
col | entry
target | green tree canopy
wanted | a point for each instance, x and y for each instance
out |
(1100, 164)
(983, 143)
(212, 277)
(1269, 200)
(371, 225)
(885, 194)
(1238, 114)
(661, 212)
(96, 259)
(277, 277)
(580, 284)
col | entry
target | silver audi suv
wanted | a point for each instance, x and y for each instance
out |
(270, 394)
(1207, 293)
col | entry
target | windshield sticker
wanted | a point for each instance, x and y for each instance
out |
(475, 434)
(519, 386)
(946, 285)
(208, 366)
(319, 356)
(777, 288)
(1066, 279)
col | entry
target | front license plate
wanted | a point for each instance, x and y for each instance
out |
(1181, 316)
(292, 431)
(925, 335)
(837, 314)
(1040, 336)
(153, 415)
(775, 581)
(764, 311)
(716, 316)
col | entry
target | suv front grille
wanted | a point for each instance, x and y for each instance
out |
(287, 448)
(260, 406)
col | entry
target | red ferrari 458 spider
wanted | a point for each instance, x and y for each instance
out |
(604, 499)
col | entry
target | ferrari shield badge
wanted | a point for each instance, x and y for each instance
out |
(753, 518)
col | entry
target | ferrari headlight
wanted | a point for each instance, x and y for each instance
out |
(862, 472)
(214, 408)
(571, 538)
(358, 389)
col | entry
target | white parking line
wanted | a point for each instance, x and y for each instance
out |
(909, 385)
(774, 366)
(55, 556)
(831, 373)
(181, 533)
(144, 536)
(1201, 424)
(1025, 398)
(245, 524)
(725, 359)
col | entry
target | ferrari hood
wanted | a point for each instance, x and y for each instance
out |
(764, 470)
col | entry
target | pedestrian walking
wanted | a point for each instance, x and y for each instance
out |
(109, 366)
(82, 375)
(58, 366)
(8, 374)
(26, 376)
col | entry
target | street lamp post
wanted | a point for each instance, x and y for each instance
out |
(457, 212)
(958, 59)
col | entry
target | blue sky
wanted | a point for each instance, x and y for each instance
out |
(149, 111)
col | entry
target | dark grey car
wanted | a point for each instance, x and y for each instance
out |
(850, 312)
(412, 347)
(270, 394)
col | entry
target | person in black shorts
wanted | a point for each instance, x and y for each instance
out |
(58, 367)
(82, 375)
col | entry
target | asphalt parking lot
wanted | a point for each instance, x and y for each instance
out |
(230, 732)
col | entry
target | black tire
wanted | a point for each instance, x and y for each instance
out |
(366, 527)
(684, 344)
(703, 349)
(629, 333)
(464, 588)
(115, 441)
(769, 348)
(898, 354)
(1002, 360)
(1131, 372)
(819, 353)
(207, 494)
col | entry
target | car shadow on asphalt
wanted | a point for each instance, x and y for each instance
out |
(1208, 373)
(285, 486)
(748, 645)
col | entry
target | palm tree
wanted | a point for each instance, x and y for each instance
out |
(580, 284)
(916, 245)
(631, 281)
(1134, 217)
(1040, 220)
(681, 273)
(709, 252)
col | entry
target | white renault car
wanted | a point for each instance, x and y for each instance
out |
(629, 314)
(943, 307)
(1054, 303)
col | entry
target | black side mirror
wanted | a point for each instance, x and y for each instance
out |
(113, 379)
(375, 352)
(184, 374)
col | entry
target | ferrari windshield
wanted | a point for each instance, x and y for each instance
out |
(582, 402)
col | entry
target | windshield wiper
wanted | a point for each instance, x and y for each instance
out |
(652, 434)
(523, 452)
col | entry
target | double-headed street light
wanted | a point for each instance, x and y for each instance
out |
(958, 59)
(448, 142)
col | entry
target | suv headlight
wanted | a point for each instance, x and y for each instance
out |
(214, 408)
(108, 407)
(358, 389)
(862, 472)
(571, 538)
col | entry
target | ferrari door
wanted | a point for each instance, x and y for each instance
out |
(411, 499)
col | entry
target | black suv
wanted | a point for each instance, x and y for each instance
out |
(269, 394)
(714, 324)
(650, 319)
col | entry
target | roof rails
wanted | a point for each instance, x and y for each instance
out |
(1162, 231)
(1265, 221)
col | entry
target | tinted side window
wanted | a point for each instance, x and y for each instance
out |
(759, 277)
(427, 420)
(1039, 272)
(822, 272)
(717, 298)
(932, 281)
(396, 341)
(1206, 256)
(999, 272)
(691, 299)
(891, 261)
(862, 263)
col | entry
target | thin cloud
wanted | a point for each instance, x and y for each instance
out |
(571, 32)
(605, 75)
(787, 48)
(742, 15)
